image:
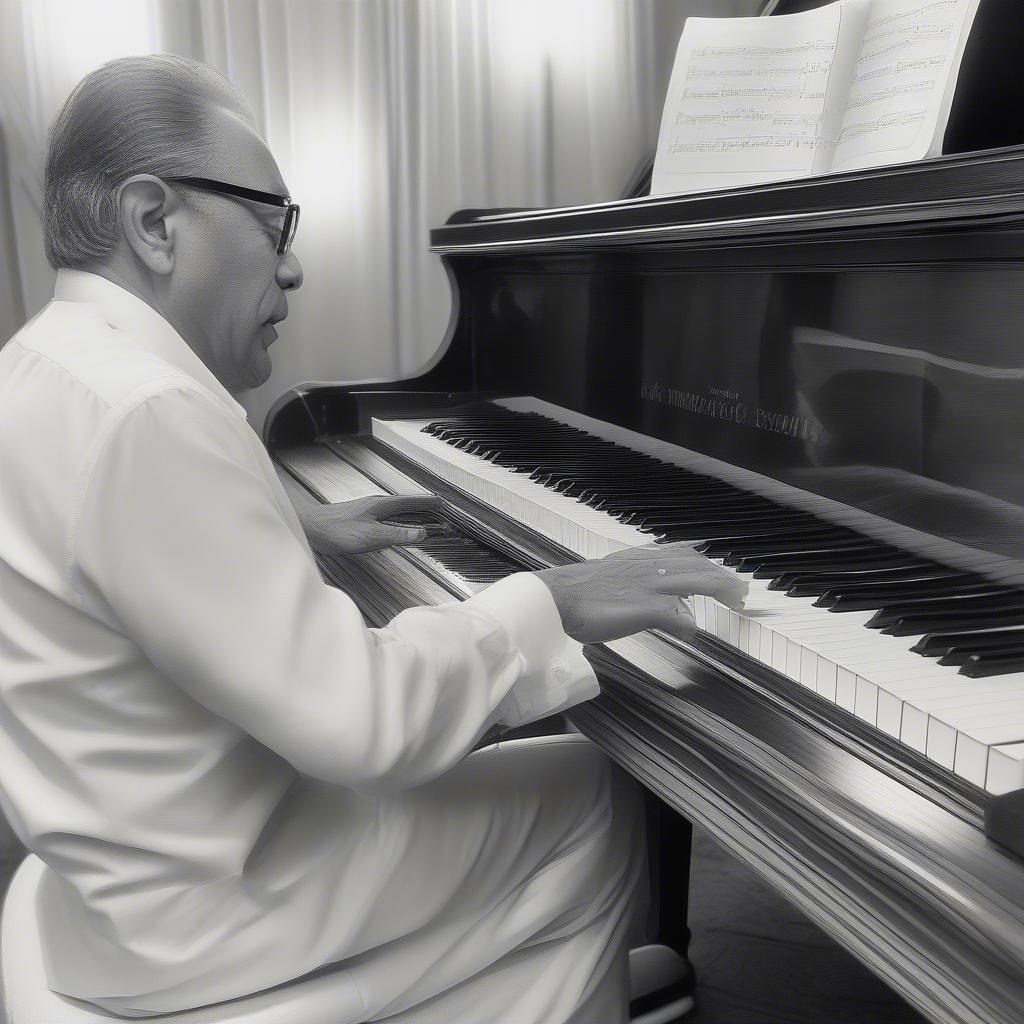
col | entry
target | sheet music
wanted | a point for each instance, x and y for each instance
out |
(903, 81)
(749, 97)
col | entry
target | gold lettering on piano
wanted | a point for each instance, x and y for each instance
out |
(725, 405)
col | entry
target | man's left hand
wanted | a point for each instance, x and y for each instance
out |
(367, 524)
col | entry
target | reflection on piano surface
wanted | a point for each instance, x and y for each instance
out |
(819, 385)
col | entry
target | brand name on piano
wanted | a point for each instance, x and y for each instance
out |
(732, 410)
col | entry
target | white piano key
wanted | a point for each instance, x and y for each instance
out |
(754, 641)
(826, 678)
(889, 714)
(952, 693)
(865, 703)
(1001, 722)
(941, 743)
(808, 668)
(1005, 768)
(970, 761)
(700, 610)
(743, 640)
(780, 650)
(914, 728)
(846, 688)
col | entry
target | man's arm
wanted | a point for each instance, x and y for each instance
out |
(180, 545)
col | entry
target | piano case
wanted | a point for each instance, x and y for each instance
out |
(846, 347)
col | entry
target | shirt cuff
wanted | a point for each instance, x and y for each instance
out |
(556, 675)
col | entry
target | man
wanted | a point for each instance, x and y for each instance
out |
(232, 782)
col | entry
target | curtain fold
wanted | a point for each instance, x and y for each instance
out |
(385, 117)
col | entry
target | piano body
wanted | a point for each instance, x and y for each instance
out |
(821, 384)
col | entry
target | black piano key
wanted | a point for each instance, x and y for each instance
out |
(706, 532)
(935, 644)
(1001, 600)
(775, 565)
(980, 665)
(936, 622)
(960, 654)
(811, 584)
(811, 546)
(868, 596)
(803, 582)
(625, 497)
(709, 525)
(774, 543)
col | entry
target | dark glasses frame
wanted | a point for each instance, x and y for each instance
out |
(224, 188)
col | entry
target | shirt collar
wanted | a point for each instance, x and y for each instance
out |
(128, 313)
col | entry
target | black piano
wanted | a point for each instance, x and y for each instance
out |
(820, 384)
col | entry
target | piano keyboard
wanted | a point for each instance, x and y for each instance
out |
(930, 655)
(448, 554)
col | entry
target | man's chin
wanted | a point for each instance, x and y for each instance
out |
(258, 371)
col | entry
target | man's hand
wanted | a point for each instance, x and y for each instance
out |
(636, 589)
(367, 524)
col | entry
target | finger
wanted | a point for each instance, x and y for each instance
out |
(400, 536)
(730, 590)
(391, 505)
(354, 509)
(652, 551)
(677, 619)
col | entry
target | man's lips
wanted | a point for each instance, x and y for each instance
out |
(277, 317)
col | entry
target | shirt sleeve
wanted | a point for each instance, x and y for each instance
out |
(179, 543)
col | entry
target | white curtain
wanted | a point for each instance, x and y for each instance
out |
(385, 117)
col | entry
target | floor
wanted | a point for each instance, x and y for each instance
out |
(760, 961)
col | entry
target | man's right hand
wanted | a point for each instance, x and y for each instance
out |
(637, 589)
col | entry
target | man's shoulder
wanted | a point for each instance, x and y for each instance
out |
(85, 353)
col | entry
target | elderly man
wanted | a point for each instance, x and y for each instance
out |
(232, 782)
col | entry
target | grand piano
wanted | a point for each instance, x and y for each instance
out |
(820, 384)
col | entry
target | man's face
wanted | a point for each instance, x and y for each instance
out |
(230, 284)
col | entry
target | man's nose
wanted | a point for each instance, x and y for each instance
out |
(289, 272)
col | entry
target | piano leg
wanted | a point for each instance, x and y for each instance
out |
(662, 980)
(670, 836)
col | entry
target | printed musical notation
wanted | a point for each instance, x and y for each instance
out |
(900, 79)
(753, 128)
(901, 120)
(893, 92)
(765, 93)
(855, 83)
(760, 99)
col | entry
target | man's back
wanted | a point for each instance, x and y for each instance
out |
(146, 803)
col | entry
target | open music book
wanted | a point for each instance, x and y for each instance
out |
(858, 83)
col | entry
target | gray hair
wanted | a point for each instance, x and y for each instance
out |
(134, 115)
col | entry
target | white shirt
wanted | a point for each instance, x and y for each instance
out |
(175, 676)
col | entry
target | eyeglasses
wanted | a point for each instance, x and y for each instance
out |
(291, 216)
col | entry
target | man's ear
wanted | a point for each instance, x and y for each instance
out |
(145, 203)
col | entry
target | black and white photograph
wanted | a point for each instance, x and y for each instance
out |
(512, 511)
